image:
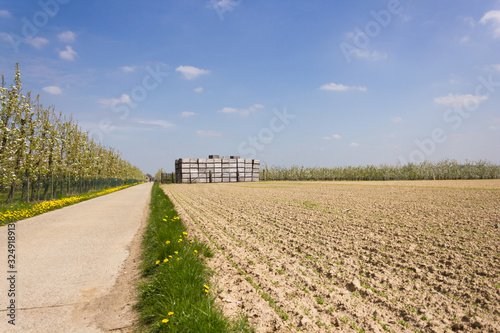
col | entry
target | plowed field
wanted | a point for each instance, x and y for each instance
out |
(352, 256)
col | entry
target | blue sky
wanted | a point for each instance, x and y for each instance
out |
(313, 83)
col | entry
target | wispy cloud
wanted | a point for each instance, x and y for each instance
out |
(67, 36)
(68, 54)
(228, 110)
(363, 53)
(127, 69)
(190, 72)
(4, 13)
(53, 90)
(464, 39)
(468, 20)
(242, 112)
(222, 6)
(397, 120)
(454, 80)
(495, 127)
(37, 42)
(160, 123)
(459, 100)
(493, 17)
(354, 144)
(6, 37)
(370, 55)
(187, 114)
(333, 137)
(208, 134)
(225, 4)
(198, 90)
(113, 101)
(340, 87)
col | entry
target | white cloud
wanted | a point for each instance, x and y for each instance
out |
(492, 16)
(190, 72)
(242, 112)
(37, 42)
(225, 4)
(228, 110)
(340, 87)
(68, 54)
(127, 69)
(208, 134)
(397, 120)
(53, 90)
(161, 123)
(372, 56)
(333, 137)
(4, 13)
(67, 36)
(464, 39)
(187, 114)
(496, 67)
(459, 100)
(354, 144)
(198, 90)
(113, 101)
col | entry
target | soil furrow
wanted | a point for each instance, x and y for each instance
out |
(359, 256)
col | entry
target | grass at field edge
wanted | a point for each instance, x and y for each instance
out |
(175, 295)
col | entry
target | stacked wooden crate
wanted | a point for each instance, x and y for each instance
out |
(216, 170)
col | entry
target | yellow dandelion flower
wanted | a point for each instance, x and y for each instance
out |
(165, 260)
(178, 259)
(206, 287)
(206, 290)
(164, 321)
(185, 233)
(157, 262)
(170, 313)
(176, 252)
(167, 242)
(170, 256)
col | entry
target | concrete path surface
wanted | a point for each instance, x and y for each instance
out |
(76, 267)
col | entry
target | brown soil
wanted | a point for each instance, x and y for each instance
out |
(352, 256)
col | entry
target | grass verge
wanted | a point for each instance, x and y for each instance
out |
(21, 210)
(176, 295)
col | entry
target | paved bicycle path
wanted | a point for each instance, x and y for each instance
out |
(76, 266)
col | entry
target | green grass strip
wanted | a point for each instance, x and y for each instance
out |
(21, 210)
(175, 295)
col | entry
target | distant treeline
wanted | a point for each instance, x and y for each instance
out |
(446, 169)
